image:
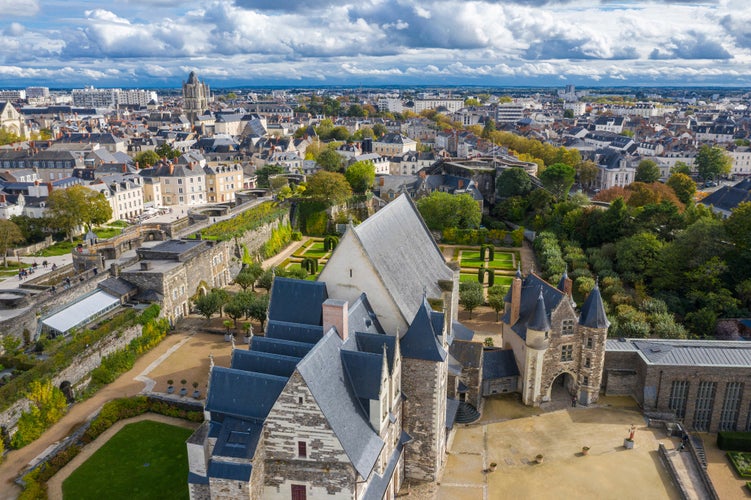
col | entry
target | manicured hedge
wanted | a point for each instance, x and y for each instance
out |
(734, 441)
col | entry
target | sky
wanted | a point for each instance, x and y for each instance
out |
(156, 43)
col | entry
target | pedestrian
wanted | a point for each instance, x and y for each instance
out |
(54, 266)
(44, 264)
(573, 401)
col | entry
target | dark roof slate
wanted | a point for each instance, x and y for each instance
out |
(230, 470)
(243, 394)
(593, 311)
(309, 334)
(363, 371)
(373, 343)
(499, 363)
(297, 301)
(531, 286)
(263, 362)
(281, 346)
(420, 341)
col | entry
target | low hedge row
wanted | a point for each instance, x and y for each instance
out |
(734, 441)
(112, 412)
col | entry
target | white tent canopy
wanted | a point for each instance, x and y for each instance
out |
(81, 312)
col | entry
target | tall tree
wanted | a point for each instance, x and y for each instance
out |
(10, 234)
(267, 171)
(513, 182)
(588, 171)
(330, 187)
(684, 187)
(146, 158)
(330, 160)
(441, 210)
(361, 176)
(712, 162)
(647, 171)
(558, 179)
(77, 206)
(208, 304)
(470, 296)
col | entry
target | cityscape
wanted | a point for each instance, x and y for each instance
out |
(438, 250)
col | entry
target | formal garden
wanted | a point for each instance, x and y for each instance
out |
(144, 460)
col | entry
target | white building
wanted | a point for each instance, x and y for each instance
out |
(451, 105)
(91, 97)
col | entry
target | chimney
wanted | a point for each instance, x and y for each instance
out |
(568, 286)
(516, 299)
(336, 314)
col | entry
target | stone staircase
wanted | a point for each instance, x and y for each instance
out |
(466, 414)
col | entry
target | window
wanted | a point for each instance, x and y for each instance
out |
(567, 327)
(589, 342)
(587, 362)
(302, 449)
(731, 405)
(300, 400)
(567, 352)
(585, 380)
(704, 404)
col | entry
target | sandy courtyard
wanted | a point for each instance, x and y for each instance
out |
(608, 471)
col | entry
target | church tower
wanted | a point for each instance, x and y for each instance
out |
(196, 96)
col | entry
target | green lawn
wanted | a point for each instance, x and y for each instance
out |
(501, 260)
(296, 265)
(468, 277)
(501, 264)
(503, 280)
(315, 250)
(145, 460)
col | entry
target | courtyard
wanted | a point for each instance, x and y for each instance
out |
(608, 470)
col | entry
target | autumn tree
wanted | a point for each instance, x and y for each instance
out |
(146, 159)
(10, 234)
(683, 186)
(587, 172)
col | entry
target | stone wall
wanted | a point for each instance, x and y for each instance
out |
(255, 239)
(326, 468)
(424, 385)
(76, 372)
(619, 374)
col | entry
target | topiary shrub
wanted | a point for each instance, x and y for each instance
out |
(734, 441)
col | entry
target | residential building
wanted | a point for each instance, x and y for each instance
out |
(124, 192)
(446, 105)
(180, 184)
(612, 124)
(510, 112)
(393, 144)
(222, 181)
(95, 98)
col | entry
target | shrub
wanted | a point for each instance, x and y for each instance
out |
(280, 238)
(243, 222)
(734, 441)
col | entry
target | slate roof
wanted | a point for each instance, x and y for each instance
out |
(281, 346)
(531, 287)
(728, 197)
(324, 375)
(461, 332)
(499, 363)
(420, 341)
(297, 301)
(230, 470)
(363, 371)
(539, 319)
(238, 438)
(452, 406)
(373, 343)
(593, 311)
(117, 287)
(717, 353)
(469, 354)
(309, 334)
(263, 362)
(362, 318)
(407, 259)
(243, 394)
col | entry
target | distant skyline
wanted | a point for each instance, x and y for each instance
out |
(156, 43)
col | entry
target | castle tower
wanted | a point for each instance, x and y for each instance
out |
(195, 97)
(424, 382)
(537, 342)
(592, 330)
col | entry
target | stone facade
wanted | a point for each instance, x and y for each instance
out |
(424, 385)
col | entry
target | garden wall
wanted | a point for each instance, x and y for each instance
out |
(255, 239)
(77, 371)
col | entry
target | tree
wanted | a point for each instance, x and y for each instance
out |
(635, 253)
(647, 171)
(265, 172)
(712, 162)
(10, 234)
(558, 179)
(681, 168)
(738, 226)
(513, 182)
(164, 150)
(77, 206)
(379, 129)
(330, 160)
(32, 228)
(588, 171)
(329, 187)
(496, 294)
(568, 113)
(258, 308)
(441, 210)
(208, 304)
(251, 272)
(683, 186)
(146, 158)
(8, 137)
(470, 296)
(361, 176)
(488, 129)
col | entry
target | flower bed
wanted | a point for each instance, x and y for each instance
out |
(741, 461)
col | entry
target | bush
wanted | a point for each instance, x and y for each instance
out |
(280, 238)
(241, 223)
(734, 441)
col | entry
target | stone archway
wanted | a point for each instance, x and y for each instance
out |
(562, 388)
(67, 389)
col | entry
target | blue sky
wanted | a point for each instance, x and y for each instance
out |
(156, 43)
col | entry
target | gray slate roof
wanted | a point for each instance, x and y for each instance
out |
(420, 341)
(531, 287)
(323, 372)
(687, 352)
(593, 311)
(404, 254)
(499, 363)
(243, 394)
(263, 362)
(297, 301)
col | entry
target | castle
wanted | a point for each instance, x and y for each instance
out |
(360, 377)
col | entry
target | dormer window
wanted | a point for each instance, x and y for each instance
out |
(567, 327)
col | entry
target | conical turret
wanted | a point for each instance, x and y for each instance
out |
(593, 311)
(539, 319)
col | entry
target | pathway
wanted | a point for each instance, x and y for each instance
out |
(126, 385)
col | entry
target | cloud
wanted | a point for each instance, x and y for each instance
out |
(739, 28)
(19, 8)
(14, 30)
(692, 45)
